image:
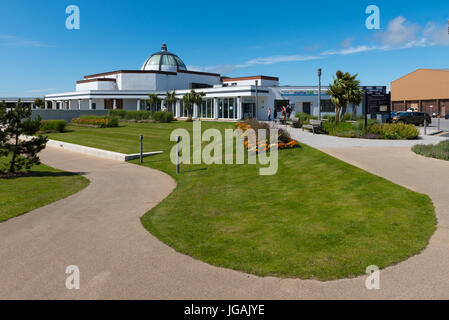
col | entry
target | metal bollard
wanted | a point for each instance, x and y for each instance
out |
(141, 148)
(177, 155)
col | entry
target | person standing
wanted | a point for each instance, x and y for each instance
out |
(275, 114)
(269, 114)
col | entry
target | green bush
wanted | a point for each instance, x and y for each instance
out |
(130, 114)
(305, 117)
(162, 116)
(53, 125)
(438, 151)
(395, 131)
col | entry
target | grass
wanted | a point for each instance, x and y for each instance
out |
(317, 218)
(437, 151)
(42, 186)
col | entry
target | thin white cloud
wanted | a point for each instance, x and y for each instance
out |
(41, 90)
(400, 34)
(14, 41)
(437, 34)
(278, 59)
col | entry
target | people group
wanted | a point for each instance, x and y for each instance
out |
(286, 113)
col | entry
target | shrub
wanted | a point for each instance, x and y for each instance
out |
(438, 151)
(131, 114)
(305, 117)
(297, 124)
(162, 116)
(53, 126)
(395, 131)
(97, 121)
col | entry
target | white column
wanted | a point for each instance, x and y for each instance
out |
(216, 108)
(138, 104)
(195, 110)
(239, 108)
(79, 104)
(114, 103)
(53, 104)
(70, 104)
(178, 109)
(90, 104)
(162, 104)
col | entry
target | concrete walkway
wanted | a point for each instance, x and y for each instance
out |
(99, 230)
(321, 141)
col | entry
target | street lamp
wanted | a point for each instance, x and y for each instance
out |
(319, 94)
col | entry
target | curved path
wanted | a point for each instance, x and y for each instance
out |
(99, 230)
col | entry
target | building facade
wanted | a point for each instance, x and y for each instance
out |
(225, 98)
(425, 90)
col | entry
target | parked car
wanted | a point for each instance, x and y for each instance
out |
(446, 116)
(416, 118)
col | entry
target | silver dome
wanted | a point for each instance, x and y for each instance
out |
(164, 61)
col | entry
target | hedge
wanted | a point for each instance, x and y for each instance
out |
(395, 131)
(53, 125)
(131, 115)
(162, 116)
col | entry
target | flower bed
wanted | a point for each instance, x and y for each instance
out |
(96, 122)
(285, 143)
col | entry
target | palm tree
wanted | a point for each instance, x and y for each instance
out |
(345, 89)
(39, 102)
(170, 99)
(192, 98)
(153, 100)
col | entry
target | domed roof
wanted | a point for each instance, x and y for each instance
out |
(164, 61)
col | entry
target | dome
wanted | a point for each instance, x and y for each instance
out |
(164, 61)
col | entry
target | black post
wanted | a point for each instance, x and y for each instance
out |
(365, 109)
(177, 155)
(141, 148)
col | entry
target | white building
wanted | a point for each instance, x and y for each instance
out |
(225, 98)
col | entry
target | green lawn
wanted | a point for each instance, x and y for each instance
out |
(317, 218)
(42, 186)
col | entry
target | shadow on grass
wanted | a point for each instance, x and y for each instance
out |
(39, 174)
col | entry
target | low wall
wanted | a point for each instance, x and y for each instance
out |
(68, 115)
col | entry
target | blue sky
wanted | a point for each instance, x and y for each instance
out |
(288, 39)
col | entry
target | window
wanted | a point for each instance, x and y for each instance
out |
(226, 108)
(231, 108)
(220, 108)
(154, 60)
(327, 106)
(168, 60)
(210, 103)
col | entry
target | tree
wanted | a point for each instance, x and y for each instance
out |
(39, 102)
(170, 99)
(345, 89)
(153, 100)
(15, 124)
(192, 98)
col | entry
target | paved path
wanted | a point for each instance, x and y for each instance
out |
(321, 141)
(99, 230)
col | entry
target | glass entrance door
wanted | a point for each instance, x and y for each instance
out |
(249, 110)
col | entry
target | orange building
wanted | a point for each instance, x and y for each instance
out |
(427, 90)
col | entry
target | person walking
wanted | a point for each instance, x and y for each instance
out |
(269, 114)
(289, 112)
